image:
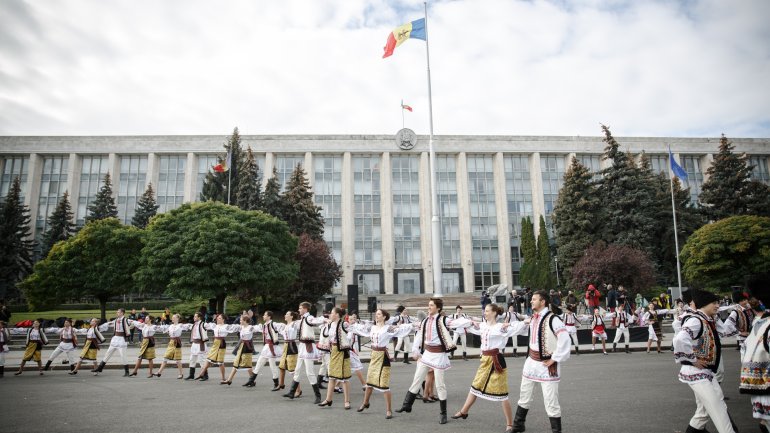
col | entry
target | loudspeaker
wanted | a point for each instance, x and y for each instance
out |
(371, 304)
(352, 297)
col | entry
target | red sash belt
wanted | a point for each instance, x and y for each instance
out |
(495, 360)
(552, 369)
(120, 334)
(177, 341)
(201, 344)
(94, 343)
(434, 349)
(222, 344)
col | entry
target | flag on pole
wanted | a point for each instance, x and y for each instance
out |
(415, 30)
(406, 107)
(223, 166)
(676, 168)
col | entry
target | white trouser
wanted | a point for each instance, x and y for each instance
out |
(272, 362)
(111, 350)
(2, 359)
(71, 357)
(419, 377)
(309, 371)
(572, 338)
(463, 339)
(404, 344)
(710, 404)
(624, 332)
(197, 355)
(550, 396)
(324, 370)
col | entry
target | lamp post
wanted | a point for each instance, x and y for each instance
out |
(556, 259)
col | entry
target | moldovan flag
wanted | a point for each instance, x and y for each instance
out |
(415, 30)
(406, 107)
(223, 166)
(677, 169)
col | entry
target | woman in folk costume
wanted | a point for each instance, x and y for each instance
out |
(91, 346)
(651, 319)
(378, 375)
(243, 355)
(36, 339)
(288, 361)
(491, 380)
(147, 349)
(174, 349)
(271, 352)
(324, 350)
(339, 359)
(216, 355)
(755, 361)
(571, 321)
(198, 348)
(356, 367)
(5, 340)
(698, 349)
(598, 330)
(68, 343)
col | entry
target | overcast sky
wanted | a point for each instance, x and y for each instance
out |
(502, 67)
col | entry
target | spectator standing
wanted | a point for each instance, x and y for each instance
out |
(485, 299)
(556, 298)
(612, 298)
(5, 313)
(592, 298)
(516, 300)
(571, 298)
(165, 318)
(132, 316)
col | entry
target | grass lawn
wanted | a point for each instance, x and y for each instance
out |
(75, 314)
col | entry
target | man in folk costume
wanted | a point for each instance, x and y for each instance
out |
(622, 320)
(324, 348)
(402, 318)
(459, 334)
(755, 362)
(68, 342)
(739, 321)
(698, 349)
(198, 338)
(271, 350)
(308, 353)
(549, 346)
(119, 341)
(511, 316)
(431, 346)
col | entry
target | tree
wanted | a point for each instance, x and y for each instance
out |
(614, 264)
(544, 277)
(299, 209)
(61, 225)
(16, 241)
(212, 250)
(575, 216)
(318, 272)
(528, 253)
(97, 262)
(249, 195)
(145, 209)
(222, 186)
(272, 201)
(103, 205)
(729, 190)
(728, 252)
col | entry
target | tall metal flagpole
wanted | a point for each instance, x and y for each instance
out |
(673, 211)
(402, 113)
(435, 222)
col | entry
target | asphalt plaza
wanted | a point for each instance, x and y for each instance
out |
(621, 392)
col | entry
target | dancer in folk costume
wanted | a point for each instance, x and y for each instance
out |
(698, 349)
(571, 321)
(244, 352)
(216, 354)
(378, 374)
(491, 380)
(511, 316)
(324, 350)
(549, 347)
(356, 367)
(458, 334)
(598, 330)
(5, 340)
(198, 347)
(755, 361)
(740, 319)
(308, 353)
(339, 359)
(652, 320)
(621, 320)
(68, 343)
(147, 349)
(119, 342)
(430, 348)
(91, 346)
(403, 343)
(36, 339)
(271, 350)
(288, 361)
(174, 349)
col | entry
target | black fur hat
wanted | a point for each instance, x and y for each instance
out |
(703, 298)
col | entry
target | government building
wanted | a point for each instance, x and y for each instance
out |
(375, 195)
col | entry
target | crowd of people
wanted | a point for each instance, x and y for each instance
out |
(292, 348)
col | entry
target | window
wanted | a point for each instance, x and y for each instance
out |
(483, 210)
(446, 188)
(285, 164)
(92, 173)
(691, 165)
(327, 189)
(405, 171)
(552, 169)
(131, 185)
(518, 190)
(10, 168)
(760, 170)
(53, 183)
(366, 211)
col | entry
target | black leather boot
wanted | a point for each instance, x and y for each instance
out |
(627, 351)
(555, 424)
(614, 346)
(519, 419)
(691, 429)
(2, 370)
(205, 376)
(465, 356)
(762, 427)
(47, 365)
(408, 402)
(125, 371)
(317, 392)
(191, 376)
(72, 368)
(292, 390)
(251, 383)
(406, 358)
(514, 352)
(275, 385)
(577, 351)
(100, 368)
(442, 415)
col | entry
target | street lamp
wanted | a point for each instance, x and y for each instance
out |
(556, 259)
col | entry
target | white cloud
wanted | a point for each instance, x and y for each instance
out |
(654, 68)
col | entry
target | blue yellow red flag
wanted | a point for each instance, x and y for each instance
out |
(413, 30)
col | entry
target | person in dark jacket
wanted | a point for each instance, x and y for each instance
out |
(612, 298)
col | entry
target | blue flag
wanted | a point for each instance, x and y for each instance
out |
(676, 168)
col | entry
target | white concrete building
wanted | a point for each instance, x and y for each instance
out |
(375, 196)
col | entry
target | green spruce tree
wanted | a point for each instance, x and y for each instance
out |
(61, 225)
(16, 241)
(103, 205)
(727, 191)
(250, 186)
(528, 253)
(222, 186)
(145, 209)
(299, 209)
(543, 276)
(272, 202)
(575, 216)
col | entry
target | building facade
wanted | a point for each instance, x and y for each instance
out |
(375, 196)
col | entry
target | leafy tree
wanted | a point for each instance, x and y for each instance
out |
(272, 200)
(212, 250)
(728, 252)
(729, 190)
(61, 225)
(528, 253)
(249, 195)
(97, 262)
(16, 241)
(614, 264)
(318, 272)
(223, 186)
(145, 209)
(299, 209)
(575, 216)
(544, 277)
(214, 187)
(103, 205)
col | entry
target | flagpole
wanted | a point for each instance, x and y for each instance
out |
(435, 222)
(402, 114)
(673, 212)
